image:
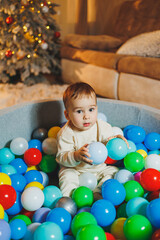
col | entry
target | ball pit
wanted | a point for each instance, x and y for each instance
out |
(28, 210)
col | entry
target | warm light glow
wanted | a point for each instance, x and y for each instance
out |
(28, 56)
(42, 4)
(38, 11)
(39, 35)
(39, 41)
(36, 38)
(47, 27)
(25, 28)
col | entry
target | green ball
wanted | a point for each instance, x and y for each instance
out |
(134, 162)
(121, 211)
(133, 189)
(137, 227)
(25, 218)
(48, 163)
(82, 219)
(91, 232)
(83, 196)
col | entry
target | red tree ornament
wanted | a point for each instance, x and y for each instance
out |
(9, 53)
(9, 20)
(57, 34)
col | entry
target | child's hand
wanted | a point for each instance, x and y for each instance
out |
(82, 154)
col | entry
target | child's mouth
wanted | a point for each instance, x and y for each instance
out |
(86, 124)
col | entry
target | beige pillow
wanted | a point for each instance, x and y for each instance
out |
(145, 45)
(94, 42)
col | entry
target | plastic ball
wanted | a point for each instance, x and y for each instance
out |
(88, 179)
(109, 236)
(91, 232)
(136, 205)
(156, 235)
(113, 191)
(142, 152)
(153, 161)
(48, 231)
(1, 212)
(80, 220)
(117, 131)
(125, 129)
(110, 161)
(48, 163)
(150, 179)
(104, 212)
(40, 134)
(132, 146)
(152, 212)
(117, 228)
(19, 165)
(35, 143)
(68, 204)
(51, 196)
(16, 207)
(137, 176)
(102, 116)
(6, 156)
(30, 231)
(45, 177)
(133, 189)
(49, 146)
(124, 175)
(32, 198)
(136, 134)
(53, 131)
(61, 217)
(153, 195)
(32, 156)
(117, 148)
(19, 145)
(4, 179)
(8, 169)
(68, 237)
(121, 211)
(23, 217)
(33, 175)
(35, 184)
(98, 152)
(5, 231)
(84, 209)
(82, 196)
(18, 229)
(141, 146)
(18, 182)
(133, 228)
(154, 152)
(134, 162)
(40, 215)
(152, 141)
(7, 196)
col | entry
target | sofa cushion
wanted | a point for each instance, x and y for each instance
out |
(95, 42)
(146, 45)
(148, 67)
(98, 58)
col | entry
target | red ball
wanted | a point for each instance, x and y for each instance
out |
(57, 34)
(9, 20)
(150, 179)
(109, 236)
(7, 196)
(153, 195)
(156, 235)
(9, 53)
(32, 156)
(110, 161)
(27, 213)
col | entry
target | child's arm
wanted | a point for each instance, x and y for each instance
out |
(118, 136)
(82, 154)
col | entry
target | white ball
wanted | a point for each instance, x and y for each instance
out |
(117, 131)
(31, 228)
(153, 161)
(49, 146)
(32, 198)
(45, 178)
(124, 176)
(102, 116)
(88, 179)
(19, 145)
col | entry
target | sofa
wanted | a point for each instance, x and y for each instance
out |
(124, 65)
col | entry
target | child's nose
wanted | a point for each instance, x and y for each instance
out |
(86, 116)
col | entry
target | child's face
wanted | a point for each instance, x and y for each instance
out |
(82, 112)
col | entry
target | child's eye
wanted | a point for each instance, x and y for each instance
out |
(79, 111)
(91, 109)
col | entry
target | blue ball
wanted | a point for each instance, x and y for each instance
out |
(117, 149)
(136, 134)
(152, 212)
(98, 152)
(18, 228)
(113, 191)
(49, 231)
(33, 176)
(5, 231)
(8, 169)
(104, 212)
(6, 156)
(51, 195)
(17, 206)
(61, 217)
(132, 146)
(18, 182)
(40, 215)
(141, 146)
(35, 143)
(19, 165)
(126, 129)
(152, 141)
(136, 205)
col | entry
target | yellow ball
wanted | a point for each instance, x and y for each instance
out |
(52, 133)
(142, 152)
(1, 212)
(32, 168)
(5, 179)
(34, 184)
(117, 228)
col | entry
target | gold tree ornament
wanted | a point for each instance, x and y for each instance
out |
(20, 54)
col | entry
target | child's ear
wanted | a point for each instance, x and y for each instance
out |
(66, 114)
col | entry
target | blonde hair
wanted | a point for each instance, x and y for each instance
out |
(76, 90)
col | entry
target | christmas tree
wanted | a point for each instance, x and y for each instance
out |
(29, 40)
